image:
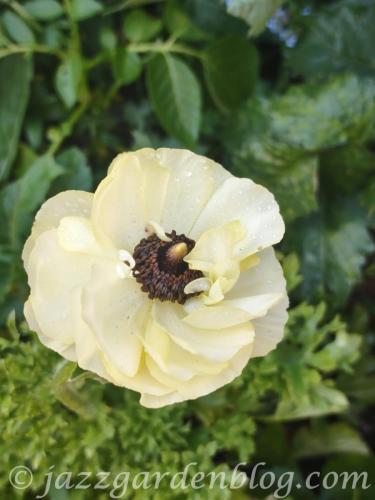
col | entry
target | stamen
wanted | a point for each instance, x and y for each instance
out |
(154, 227)
(197, 286)
(176, 253)
(160, 268)
(126, 258)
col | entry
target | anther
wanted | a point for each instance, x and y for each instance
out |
(160, 268)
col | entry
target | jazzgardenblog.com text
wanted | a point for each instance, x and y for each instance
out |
(117, 485)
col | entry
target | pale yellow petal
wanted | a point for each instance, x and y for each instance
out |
(202, 385)
(192, 182)
(68, 351)
(256, 306)
(54, 275)
(253, 205)
(174, 363)
(76, 234)
(130, 196)
(214, 254)
(269, 330)
(53, 210)
(214, 345)
(114, 310)
(143, 381)
(150, 401)
(264, 278)
(217, 317)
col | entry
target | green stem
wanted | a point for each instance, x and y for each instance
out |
(19, 49)
(66, 128)
(168, 46)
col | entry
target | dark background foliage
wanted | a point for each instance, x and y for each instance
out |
(287, 100)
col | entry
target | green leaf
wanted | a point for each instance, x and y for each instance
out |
(179, 24)
(83, 9)
(340, 39)
(140, 26)
(342, 352)
(17, 29)
(312, 117)
(323, 439)
(255, 12)
(291, 268)
(14, 95)
(63, 372)
(77, 174)
(333, 246)
(126, 66)
(276, 141)
(212, 18)
(231, 67)
(68, 78)
(108, 38)
(175, 95)
(74, 399)
(19, 199)
(44, 10)
(319, 401)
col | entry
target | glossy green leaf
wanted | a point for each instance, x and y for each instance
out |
(340, 39)
(17, 29)
(140, 26)
(44, 10)
(231, 68)
(311, 117)
(179, 23)
(14, 95)
(277, 141)
(126, 66)
(83, 9)
(20, 199)
(212, 18)
(175, 95)
(68, 78)
(333, 245)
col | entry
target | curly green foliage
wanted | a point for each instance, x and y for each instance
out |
(47, 409)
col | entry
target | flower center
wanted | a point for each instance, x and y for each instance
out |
(160, 268)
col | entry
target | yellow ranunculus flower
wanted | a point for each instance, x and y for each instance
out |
(162, 281)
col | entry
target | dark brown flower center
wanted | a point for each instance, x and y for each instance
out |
(160, 268)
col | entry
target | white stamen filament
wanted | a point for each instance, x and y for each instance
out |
(197, 286)
(126, 258)
(154, 227)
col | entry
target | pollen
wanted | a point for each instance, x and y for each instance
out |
(160, 268)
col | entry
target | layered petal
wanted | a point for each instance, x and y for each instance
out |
(119, 321)
(193, 180)
(269, 329)
(213, 344)
(253, 205)
(130, 196)
(67, 203)
(201, 385)
(55, 275)
(176, 363)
